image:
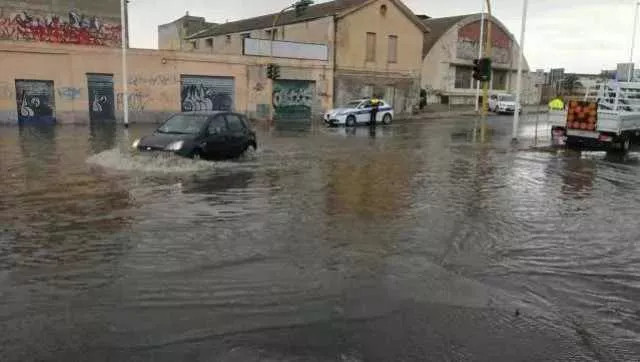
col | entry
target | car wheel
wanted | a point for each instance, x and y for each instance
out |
(196, 154)
(387, 119)
(351, 121)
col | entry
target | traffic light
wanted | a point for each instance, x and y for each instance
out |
(485, 69)
(482, 69)
(273, 71)
(476, 69)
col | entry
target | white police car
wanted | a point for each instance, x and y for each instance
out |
(358, 112)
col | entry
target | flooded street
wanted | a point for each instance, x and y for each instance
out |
(323, 245)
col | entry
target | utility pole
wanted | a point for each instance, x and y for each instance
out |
(516, 113)
(125, 80)
(633, 38)
(481, 42)
(485, 86)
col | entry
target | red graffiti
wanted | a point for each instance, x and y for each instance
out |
(471, 32)
(79, 29)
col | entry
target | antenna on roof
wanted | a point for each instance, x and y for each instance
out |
(187, 12)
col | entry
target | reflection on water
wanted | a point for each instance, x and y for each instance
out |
(324, 245)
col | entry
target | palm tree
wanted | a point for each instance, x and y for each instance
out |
(570, 83)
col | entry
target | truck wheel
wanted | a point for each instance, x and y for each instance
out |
(351, 121)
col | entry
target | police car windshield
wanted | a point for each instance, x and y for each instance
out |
(508, 98)
(352, 104)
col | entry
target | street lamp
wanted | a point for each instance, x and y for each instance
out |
(123, 40)
(516, 113)
(633, 37)
(300, 6)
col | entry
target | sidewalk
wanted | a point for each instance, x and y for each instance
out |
(442, 111)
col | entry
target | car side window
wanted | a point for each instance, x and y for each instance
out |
(234, 123)
(217, 125)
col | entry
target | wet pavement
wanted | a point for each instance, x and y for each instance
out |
(414, 243)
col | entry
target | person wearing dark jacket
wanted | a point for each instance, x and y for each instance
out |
(375, 104)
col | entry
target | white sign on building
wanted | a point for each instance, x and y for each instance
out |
(285, 49)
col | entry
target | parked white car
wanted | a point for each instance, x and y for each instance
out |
(358, 112)
(503, 103)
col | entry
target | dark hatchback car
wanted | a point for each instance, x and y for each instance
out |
(207, 135)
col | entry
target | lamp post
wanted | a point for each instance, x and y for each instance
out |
(633, 38)
(482, 18)
(300, 6)
(516, 113)
(125, 81)
(485, 86)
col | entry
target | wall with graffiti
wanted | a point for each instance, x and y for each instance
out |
(293, 99)
(204, 93)
(35, 100)
(70, 27)
(469, 43)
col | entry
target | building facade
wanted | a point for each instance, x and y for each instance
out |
(449, 51)
(374, 46)
(43, 82)
(62, 63)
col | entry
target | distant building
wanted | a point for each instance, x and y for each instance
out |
(373, 45)
(449, 50)
(172, 36)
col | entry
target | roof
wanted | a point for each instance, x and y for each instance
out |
(313, 12)
(438, 27)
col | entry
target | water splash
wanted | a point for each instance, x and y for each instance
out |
(119, 160)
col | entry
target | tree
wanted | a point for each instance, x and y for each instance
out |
(570, 83)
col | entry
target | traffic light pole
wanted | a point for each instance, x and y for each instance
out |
(485, 85)
(516, 113)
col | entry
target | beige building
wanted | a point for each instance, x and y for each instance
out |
(61, 61)
(449, 51)
(40, 82)
(373, 46)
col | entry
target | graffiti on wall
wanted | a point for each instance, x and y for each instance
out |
(35, 100)
(101, 97)
(468, 43)
(293, 99)
(75, 29)
(204, 93)
(68, 93)
(137, 101)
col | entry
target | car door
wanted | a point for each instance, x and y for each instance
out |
(238, 139)
(364, 112)
(215, 144)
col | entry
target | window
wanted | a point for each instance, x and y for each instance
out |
(209, 43)
(246, 35)
(228, 39)
(217, 125)
(463, 77)
(393, 49)
(194, 44)
(272, 34)
(500, 79)
(371, 47)
(234, 123)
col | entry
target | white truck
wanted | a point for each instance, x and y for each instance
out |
(607, 119)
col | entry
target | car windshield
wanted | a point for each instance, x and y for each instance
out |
(183, 124)
(508, 99)
(352, 104)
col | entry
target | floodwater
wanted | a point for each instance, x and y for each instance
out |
(414, 243)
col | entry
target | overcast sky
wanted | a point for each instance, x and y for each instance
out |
(582, 36)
